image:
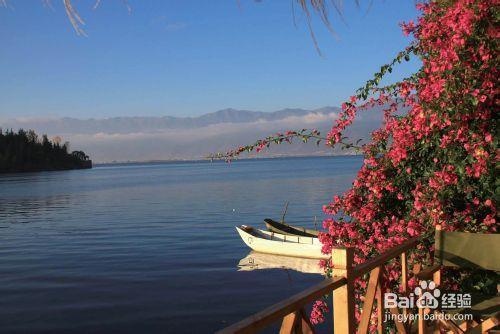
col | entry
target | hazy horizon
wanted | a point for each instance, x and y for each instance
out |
(141, 138)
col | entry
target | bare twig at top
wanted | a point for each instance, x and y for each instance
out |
(74, 17)
(309, 7)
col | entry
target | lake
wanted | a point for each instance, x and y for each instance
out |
(151, 248)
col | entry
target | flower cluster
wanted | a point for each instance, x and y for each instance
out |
(436, 164)
(318, 310)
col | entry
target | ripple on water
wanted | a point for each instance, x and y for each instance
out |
(149, 248)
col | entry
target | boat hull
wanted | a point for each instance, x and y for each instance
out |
(280, 244)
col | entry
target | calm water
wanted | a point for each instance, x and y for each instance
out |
(150, 248)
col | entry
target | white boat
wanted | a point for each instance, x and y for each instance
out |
(256, 261)
(281, 244)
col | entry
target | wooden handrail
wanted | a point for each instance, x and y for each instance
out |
(274, 313)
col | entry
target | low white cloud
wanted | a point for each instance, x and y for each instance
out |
(141, 141)
(311, 118)
(192, 143)
(195, 134)
(29, 119)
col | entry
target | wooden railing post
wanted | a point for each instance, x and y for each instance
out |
(404, 281)
(343, 297)
(437, 275)
(380, 306)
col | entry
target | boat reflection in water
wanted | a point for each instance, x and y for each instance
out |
(255, 261)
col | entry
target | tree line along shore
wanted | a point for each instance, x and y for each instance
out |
(25, 151)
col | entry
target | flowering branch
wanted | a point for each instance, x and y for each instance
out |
(349, 109)
(304, 135)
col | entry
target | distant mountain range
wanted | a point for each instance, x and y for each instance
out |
(181, 138)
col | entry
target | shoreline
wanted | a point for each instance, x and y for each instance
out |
(87, 164)
(206, 160)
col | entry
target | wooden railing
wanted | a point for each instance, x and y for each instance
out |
(292, 310)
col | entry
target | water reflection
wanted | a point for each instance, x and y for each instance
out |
(27, 209)
(256, 261)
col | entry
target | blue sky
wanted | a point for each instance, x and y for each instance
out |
(186, 58)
